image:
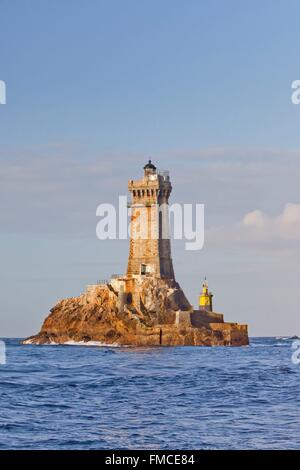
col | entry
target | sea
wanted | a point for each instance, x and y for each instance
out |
(98, 397)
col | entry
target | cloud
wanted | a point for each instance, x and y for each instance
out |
(55, 189)
(259, 229)
(235, 156)
(285, 226)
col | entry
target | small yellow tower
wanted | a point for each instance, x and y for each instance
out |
(205, 298)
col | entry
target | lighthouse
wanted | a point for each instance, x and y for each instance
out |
(205, 298)
(150, 248)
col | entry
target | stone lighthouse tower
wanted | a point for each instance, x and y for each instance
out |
(150, 249)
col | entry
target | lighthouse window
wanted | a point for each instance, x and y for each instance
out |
(143, 268)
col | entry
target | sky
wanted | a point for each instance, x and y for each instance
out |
(204, 89)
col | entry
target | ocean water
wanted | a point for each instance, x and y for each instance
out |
(78, 397)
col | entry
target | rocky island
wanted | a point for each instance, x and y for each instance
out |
(146, 306)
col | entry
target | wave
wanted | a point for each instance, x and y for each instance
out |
(106, 398)
(75, 343)
(287, 338)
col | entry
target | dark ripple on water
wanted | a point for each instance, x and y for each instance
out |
(68, 397)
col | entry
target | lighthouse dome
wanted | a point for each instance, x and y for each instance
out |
(149, 166)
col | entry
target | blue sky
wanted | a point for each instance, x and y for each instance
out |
(95, 87)
(146, 76)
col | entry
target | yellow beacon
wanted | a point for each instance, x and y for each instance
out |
(205, 299)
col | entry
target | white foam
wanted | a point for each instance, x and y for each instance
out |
(287, 338)
(31, 341)
(73, 343)
(90, 343)
(27, 341)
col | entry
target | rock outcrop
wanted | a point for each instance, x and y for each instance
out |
(136, 311)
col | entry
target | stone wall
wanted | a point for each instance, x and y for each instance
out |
(200, 317)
